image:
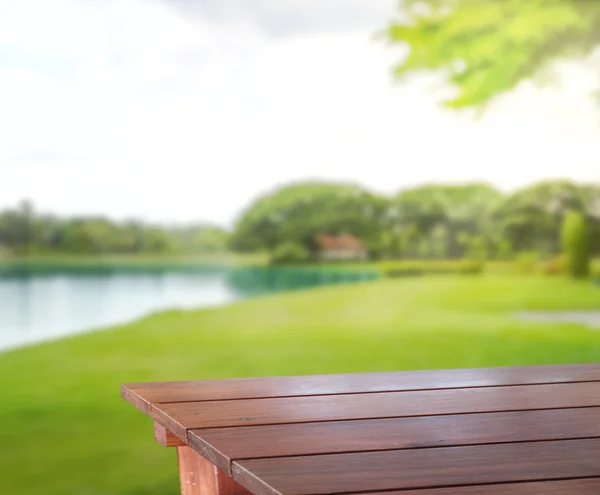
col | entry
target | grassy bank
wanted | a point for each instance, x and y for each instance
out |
(66, 431)
(136, 259)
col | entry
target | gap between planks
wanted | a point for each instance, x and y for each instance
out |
(459, 467)
(367, 392)
(589, 482)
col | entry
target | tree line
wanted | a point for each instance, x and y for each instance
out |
(435, 221)
(25, 231)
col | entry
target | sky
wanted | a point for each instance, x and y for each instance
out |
(182, 110)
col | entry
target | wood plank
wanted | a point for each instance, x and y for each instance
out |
(165, 437)
(198, 476)
(142, 395)
(420, 468)
(224, 445)
(587, 486)
(180, 417)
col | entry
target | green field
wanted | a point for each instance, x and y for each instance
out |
(58, 261)
(133, 259)
(65, 430)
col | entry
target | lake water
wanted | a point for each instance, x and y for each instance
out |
(47, 303)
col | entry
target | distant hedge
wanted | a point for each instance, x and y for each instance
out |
(431, 267)
(290, 253)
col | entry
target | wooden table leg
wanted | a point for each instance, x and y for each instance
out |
(199, 476)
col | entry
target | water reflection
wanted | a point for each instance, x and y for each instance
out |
(44, 302)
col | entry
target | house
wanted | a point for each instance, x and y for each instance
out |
(341, 247)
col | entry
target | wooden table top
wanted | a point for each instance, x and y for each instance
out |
(490, 431)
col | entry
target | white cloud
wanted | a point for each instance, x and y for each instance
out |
(293, 17)
(165, 117)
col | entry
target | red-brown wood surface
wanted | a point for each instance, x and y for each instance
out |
(494, 431)
(142, 395)
(180, 417)
(197, 476)
(420, 468)
(165, 437)
(588, 486)
(224, 445)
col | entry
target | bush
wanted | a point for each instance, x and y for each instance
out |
(418, 267)
(576, 244)
(476, 249)
(595, 268)
(526, 262)
(505, 250)
(290, 253)
(556, 266)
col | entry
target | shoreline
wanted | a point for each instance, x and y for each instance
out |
(65, 259)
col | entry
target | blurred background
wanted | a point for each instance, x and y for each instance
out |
(196, 190)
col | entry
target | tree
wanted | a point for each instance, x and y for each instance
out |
(435, 220)
(299, 213)
(19, 229)
(439, 240)
(575, 240)
(476, 248)
(87, 236)
(290, 252)
(444, 212)
(530, 218)
(158, 241)
(24, 231)
(209, 239)
(504, 250)
(484, 48)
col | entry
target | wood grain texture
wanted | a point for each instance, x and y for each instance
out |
(224, 445)
(589, 486)
(420, 468)
(517, 431)
(142, 395)
(180, 417)
(200, 477)
(165, 437)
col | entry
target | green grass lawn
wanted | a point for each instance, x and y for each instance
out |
(64, 430)
(136, 259)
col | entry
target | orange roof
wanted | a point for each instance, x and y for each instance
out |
(344, 241)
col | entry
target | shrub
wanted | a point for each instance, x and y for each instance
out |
(556, 266)
(576, 244)
(290, 253)
(505, 250)
(476, 249)
(419, 267)
(595, 268)
(526, 262)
